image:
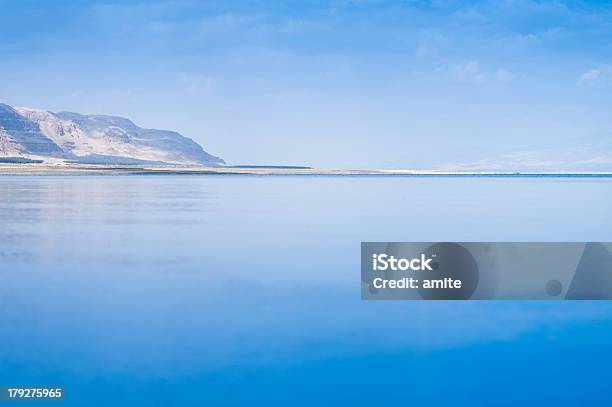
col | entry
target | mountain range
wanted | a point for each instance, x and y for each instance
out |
(100, 139)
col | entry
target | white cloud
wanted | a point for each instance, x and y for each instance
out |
(195, 84)
(471, 72)
(471, 14)
(226, 23)
(599, 76)
(77, 93)
(502, 75)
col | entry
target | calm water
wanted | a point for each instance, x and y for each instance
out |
(245, 290)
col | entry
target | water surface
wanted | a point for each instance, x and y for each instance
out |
(237, 290)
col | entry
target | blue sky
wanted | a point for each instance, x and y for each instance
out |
(391, 84)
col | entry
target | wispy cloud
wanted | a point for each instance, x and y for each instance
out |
(600, 76)
(472, 72)
(195, 84)
(423, 50)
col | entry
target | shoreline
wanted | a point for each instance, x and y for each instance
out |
(77, 169)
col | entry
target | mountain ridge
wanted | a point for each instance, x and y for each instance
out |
(36, 133)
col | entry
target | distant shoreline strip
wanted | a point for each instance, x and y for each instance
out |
(37, 169)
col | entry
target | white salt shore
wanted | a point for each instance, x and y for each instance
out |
(59, 169)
